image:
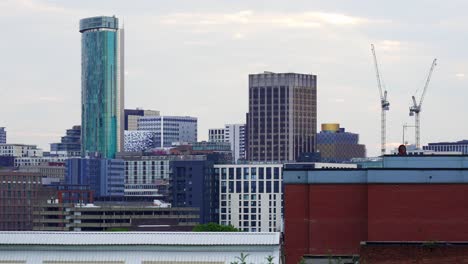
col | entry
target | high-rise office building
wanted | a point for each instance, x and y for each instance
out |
(3, 134)
(170, 129)
(282, 118)
(70, 144)
(132, 115)
(102, 86)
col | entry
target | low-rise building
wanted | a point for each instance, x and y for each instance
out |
(410, 198)
(106, 177)
(108, 216)
(459, 146)
(139, 247)
(20, 150)
(69, 145)
(337, 145)
(251, 195)
(18, 193)
(37, 161)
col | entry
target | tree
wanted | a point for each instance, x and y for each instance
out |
(214, 227)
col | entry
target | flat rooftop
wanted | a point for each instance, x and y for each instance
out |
(138, 238)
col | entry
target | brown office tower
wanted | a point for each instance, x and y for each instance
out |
(18, 194)
(282, 118)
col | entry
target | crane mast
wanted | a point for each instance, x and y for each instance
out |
(415, 109)
(384, 104)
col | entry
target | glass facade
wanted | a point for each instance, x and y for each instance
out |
(102, 86)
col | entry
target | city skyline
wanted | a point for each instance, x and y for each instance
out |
(197, 42)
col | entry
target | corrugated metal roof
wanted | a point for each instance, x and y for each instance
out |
(138, 238)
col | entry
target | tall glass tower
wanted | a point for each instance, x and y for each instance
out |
(102, 86)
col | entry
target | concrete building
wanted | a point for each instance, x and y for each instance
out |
(146, 175)
(337, 145)
(235, 135)
(70, 144)
(55, 216)
(170, 129)
(105, 177)
(282, 117)
(3, 135)
(37, 161)
(251, 196)
(132, 116)
(412, 198)
(20, 150)
(49, 171)
(123, 248)
(18, 193)
(459, 146)
(216, 135)
(102, 86)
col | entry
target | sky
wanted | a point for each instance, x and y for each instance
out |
(193, 58)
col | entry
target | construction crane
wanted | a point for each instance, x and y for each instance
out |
(415, 109)
(384, 104)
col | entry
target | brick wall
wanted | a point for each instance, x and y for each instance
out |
(423, 253)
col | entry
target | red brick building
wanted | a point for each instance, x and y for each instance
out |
(414, 253)
(18, 194)
(330, 212)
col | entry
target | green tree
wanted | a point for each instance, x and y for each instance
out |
(214, 227)
(269, 259)
(242, 258)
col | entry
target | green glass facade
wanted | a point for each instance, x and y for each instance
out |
(102, 86)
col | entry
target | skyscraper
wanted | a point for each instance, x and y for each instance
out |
(282, 118)
(102, 86)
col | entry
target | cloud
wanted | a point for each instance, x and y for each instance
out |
(50, 99)
(460, 76)
(271, 19)
(238, 36)
(389, 45)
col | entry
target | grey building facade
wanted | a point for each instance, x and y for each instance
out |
(282, 117)
(170, 129)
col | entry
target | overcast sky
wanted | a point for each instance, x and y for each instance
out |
(193, 58)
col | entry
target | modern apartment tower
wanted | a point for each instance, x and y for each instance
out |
(282, 117)
(235, 135)
(102, 86)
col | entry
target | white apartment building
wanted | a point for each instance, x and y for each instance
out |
(216, 135)
(250, 196)
(146, 176)
(235, 135)
(232, 133)
(20, 150)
